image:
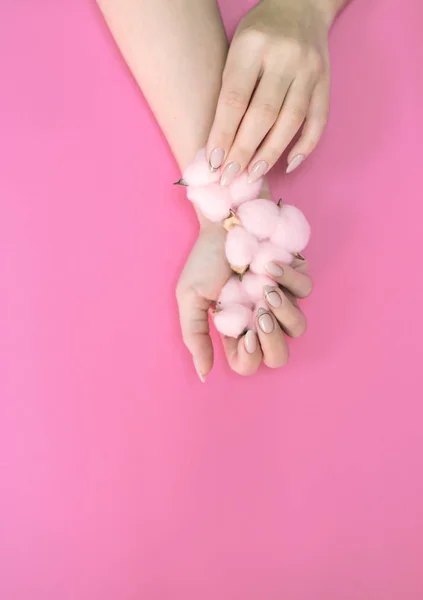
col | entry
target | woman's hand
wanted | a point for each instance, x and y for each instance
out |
(204, 275)
(276, 78)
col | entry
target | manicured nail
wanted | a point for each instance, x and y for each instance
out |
(274, 270)
(216, 158)
(272, 296)
(295, 162)
(265, 321)
(250, 341)
(199, 373)
(229, 173)
(259, 169)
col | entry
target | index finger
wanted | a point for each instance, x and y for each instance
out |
(239, 79)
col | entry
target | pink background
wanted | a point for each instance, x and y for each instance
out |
(122, 477)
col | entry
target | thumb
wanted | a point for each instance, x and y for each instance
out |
(193, 316)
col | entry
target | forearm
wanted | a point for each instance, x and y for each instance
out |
(176, 50)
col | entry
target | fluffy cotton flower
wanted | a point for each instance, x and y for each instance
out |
(268, 253)
(253, 285)
(240, 247)
(259, 217)
(212, 200)
(232, 320)
(241, 191)
(292, 231)
(233, 293)
(198, 172)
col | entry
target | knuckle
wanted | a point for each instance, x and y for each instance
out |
(315, 61)
(234, 98)
(296, 114)
(268, 112)
(292, 48)
(272, 154)
(252, 36)
(311, 144)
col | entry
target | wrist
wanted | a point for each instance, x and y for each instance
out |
(328, 9)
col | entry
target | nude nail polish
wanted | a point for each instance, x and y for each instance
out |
(199, 373)
(216, 158)
(250, 341)
(272, 296)
(295, 162)
(230, 172)
(274, 270)
(258, 170)
(265, 321)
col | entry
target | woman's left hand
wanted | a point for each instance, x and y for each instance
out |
(276, 78)
(199, 286)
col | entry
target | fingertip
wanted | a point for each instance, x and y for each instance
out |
(242, 361)
(199, 370)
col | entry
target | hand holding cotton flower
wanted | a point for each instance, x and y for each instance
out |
(248, 230)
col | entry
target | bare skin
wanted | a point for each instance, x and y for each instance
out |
(276, 78)
(177, 50)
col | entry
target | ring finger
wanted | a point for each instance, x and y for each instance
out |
(291, 117)
(272, 340)
(260, 117)
(290, 317)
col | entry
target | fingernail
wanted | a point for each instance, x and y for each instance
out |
(295, 162)
(250, 341)
(274, 270)
(229, 173)
(199, 373)
(258, 170)
(265, 321)
(216, 158)
(272, 296)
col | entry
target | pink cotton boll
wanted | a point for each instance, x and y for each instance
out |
(212, 200)
(232, 320)
(259, 217)
(233, 293)
(240, 247)
(241, 191)
(198, 173)
(253, 285)
(292, 231)
(267, 253)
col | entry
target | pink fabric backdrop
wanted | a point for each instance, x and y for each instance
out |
(121, 475)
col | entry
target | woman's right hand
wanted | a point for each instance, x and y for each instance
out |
(205, 273)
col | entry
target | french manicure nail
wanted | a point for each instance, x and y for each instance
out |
(295, 162)
(258, 170)
(216, 158)
(272, 296)
(199, 373)
(230, 173)
(265, 321)
(250, 341)
(274, 270)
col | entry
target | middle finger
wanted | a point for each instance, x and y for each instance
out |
(260, 117)
(290, 317)
(272, 340)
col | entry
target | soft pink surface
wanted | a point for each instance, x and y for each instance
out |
(122, 477)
